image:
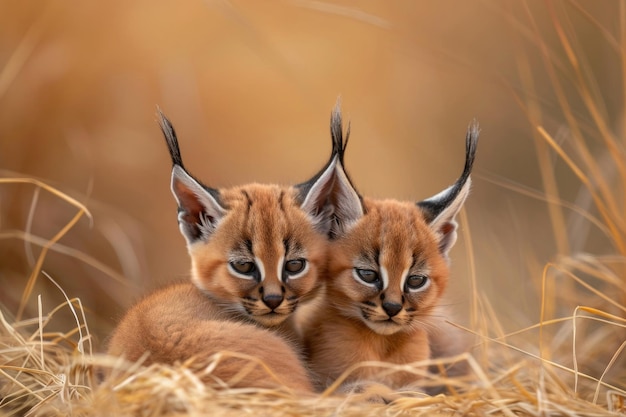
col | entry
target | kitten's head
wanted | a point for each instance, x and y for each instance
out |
(257, 250)
(389, 263)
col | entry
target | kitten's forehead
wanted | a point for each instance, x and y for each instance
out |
(394, 238)
(266, 214)
(396, 228)
(256, 196)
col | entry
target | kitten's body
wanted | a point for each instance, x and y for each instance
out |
(181, 324)
(387, 271)
(256, 252)
(394, 236)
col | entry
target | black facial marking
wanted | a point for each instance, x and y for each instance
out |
(281, 198)
(371, 256)
(248, 200)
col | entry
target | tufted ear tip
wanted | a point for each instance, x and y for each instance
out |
(170, 138)
(441, 209)
(199, 208)
(329, 196)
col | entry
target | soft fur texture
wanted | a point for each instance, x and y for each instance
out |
(256, 253)
(352, 326)
(388, 270)
(180, 323)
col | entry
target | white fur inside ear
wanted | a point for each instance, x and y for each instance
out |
(348, 205)
(315, 202)
(444, 225)
(199, 212)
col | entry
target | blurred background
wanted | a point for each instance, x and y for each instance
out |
(249, 86)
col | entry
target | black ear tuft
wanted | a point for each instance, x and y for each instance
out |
(170, 138)
(346, 201)
(199, 208)
(336, 132)
(314, 195)
(322, 196)
(304, 188)
(440, 210)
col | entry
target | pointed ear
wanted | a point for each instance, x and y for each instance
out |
(329, 197)
(441, 209)
(347, 203)
(314, 196)
(199, 209)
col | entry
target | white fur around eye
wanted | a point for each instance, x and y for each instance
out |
(421, 270)
(301, 273)
(258, 264)
(384, 275)
(237, 274)
(358, 279)
(280, 266)
(423, 287)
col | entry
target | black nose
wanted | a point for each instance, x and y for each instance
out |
(392, 308)
(272, 300)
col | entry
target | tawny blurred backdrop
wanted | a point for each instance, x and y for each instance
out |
(249, 87)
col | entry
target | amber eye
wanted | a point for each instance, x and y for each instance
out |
(243, 267)
(294, 266)
(367, 275)
(415, 282)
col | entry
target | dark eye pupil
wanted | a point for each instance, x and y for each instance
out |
(243, 267)
(295, 266)
(367, 275)
(416, 281)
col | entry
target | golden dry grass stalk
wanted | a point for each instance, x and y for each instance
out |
(55, 373)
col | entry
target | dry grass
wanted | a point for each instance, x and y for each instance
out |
(571, 362)
(55, 374)
(568, 365)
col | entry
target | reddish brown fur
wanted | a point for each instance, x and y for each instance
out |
(179, 323)
(338, 336)
(222, 312)
(267, 226)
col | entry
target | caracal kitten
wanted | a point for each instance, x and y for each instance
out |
(256, 253)
(388, 269)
